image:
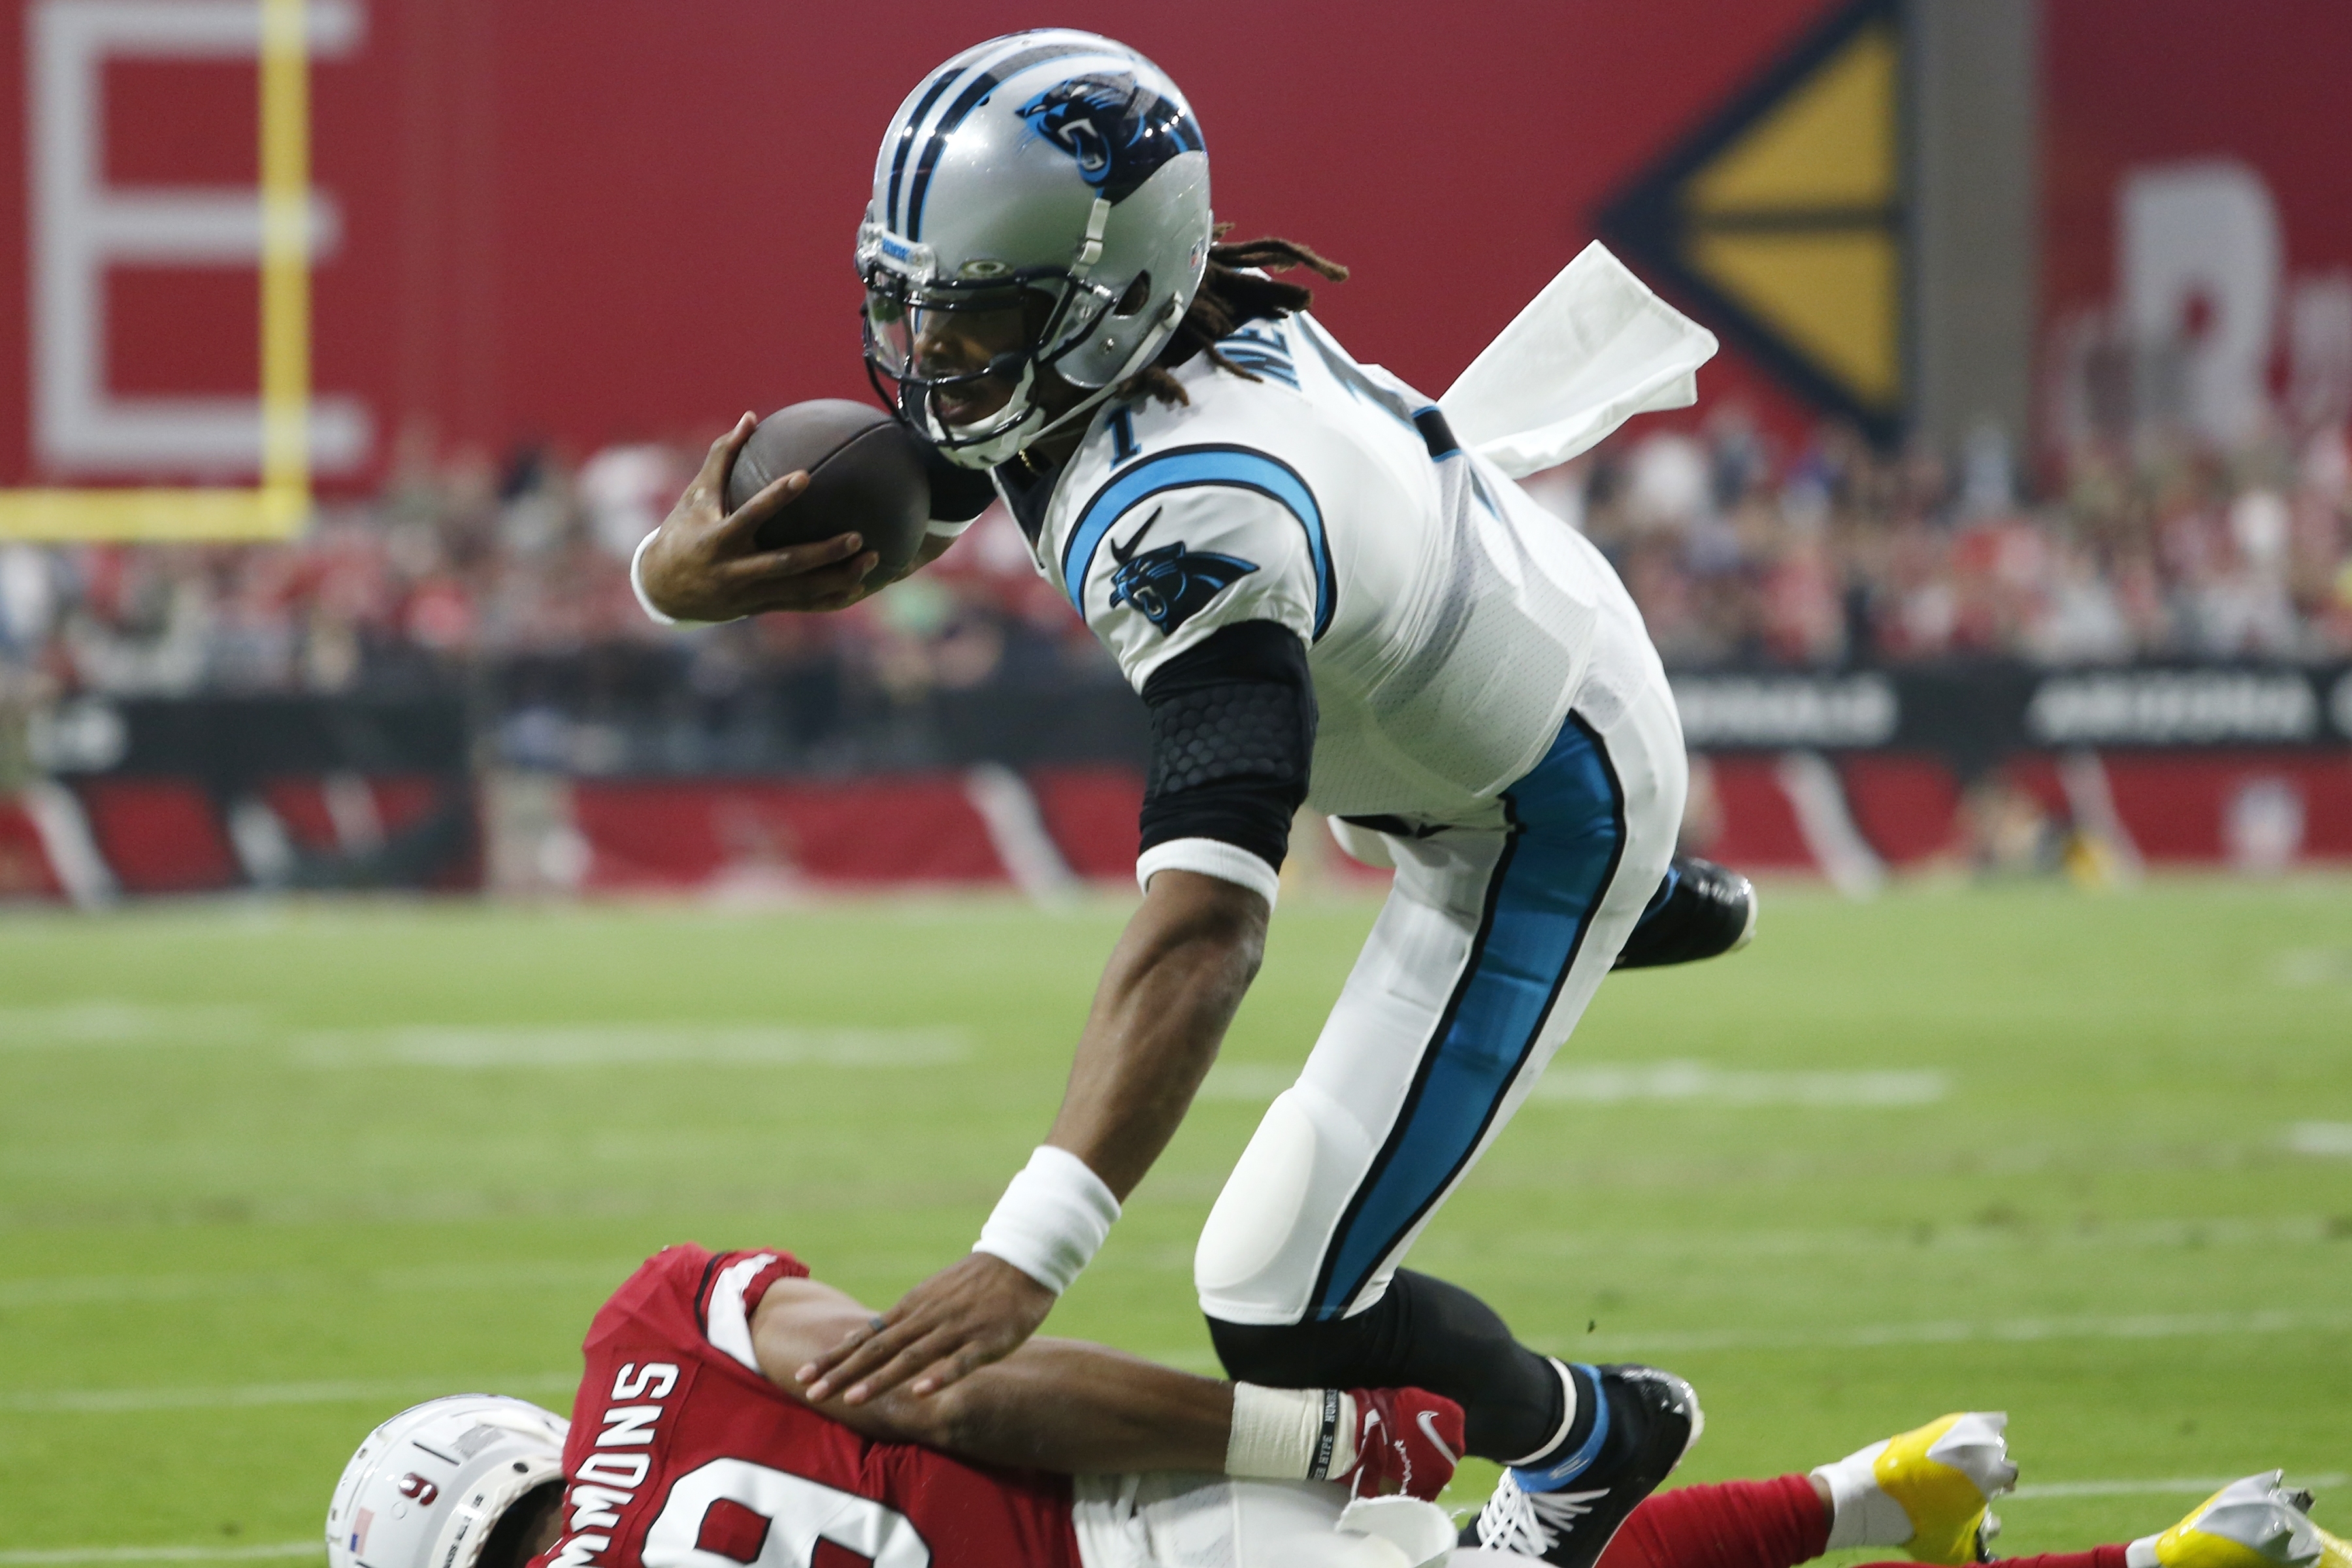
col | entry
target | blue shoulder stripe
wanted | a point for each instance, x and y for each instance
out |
(1181, 468)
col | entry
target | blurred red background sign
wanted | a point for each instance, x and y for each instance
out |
(544, 221)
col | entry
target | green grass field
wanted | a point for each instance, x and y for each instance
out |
(268, 1172)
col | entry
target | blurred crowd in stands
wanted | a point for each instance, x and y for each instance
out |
(1840, 557)
(508, 585)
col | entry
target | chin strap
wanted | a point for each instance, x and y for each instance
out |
(996, 444)
(1013, 439)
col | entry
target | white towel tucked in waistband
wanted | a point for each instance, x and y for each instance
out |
(1594, 349)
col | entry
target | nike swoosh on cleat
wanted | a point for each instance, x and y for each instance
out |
(1427, 1422)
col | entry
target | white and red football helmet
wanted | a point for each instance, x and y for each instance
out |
(427, 1487)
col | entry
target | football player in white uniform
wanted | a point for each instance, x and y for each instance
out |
(1323, 597)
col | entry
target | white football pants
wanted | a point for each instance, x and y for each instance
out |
(1493, 939)
(1175, 1521)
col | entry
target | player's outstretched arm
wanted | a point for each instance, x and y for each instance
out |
(1179, 972)
(1078, 1408)
(704, 563)
(1054, 1405)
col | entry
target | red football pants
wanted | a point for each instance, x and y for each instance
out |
(1777, 1524)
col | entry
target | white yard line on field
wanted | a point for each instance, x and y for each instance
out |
(1700, 1083)
(107, 1021)
(58, 1554)
(100, 1021)
(476, 1047)
(45, 1556)
(132, 1401)
(1694, 1083)
(2185, 1485)
(2321, 1138)
(2007, 1331)
(2012, 1330)
(2314, 966)
(92, 1289)
(2155, 1234)
(2058, 1235)
(28, 1558)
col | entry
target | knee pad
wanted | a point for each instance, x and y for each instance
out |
(1266, 1235)
(1257, 1214)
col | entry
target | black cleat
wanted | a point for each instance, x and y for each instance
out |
(1652, 1420)
(1702, 912)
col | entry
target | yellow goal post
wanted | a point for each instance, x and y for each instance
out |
(279, 506)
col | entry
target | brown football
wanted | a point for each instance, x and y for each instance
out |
(866, 475)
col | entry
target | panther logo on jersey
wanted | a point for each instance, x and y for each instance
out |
(1170, 585)
(1119, 133)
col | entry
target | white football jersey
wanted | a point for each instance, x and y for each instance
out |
(1450, 621)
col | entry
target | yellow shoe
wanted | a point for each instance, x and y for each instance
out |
(1928, 1491)
(2332, 1552)
(2249, 1524)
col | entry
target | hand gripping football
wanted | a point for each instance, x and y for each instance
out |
(866, 474)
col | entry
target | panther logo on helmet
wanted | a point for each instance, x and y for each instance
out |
(1120, 132)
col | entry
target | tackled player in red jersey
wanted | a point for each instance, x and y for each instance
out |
(685, 1449)
(690, 1446)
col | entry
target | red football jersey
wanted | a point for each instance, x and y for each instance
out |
(682, 1455)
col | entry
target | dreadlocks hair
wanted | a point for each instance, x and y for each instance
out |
(1228, 297)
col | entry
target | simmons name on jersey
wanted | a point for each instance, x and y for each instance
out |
(681, 1453)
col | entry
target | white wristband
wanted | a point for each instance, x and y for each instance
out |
(1291, 1434)
(941, 528)
(1052, 1219)
(637, 587)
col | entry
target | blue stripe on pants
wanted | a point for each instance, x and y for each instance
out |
(1567, 833)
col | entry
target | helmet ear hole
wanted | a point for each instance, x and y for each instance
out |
(1137, 295)
(523, 1531)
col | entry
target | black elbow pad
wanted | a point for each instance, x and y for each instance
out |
(1232, 735)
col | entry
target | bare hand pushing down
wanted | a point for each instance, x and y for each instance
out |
(969, 1314)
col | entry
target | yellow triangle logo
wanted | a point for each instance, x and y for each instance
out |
(1830, 143)
(1786, 215)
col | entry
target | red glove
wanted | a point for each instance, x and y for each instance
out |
(1407, 1440)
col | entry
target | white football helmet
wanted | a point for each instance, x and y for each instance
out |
(1048, 191)
(428, 1486)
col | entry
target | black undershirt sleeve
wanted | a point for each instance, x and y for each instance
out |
(1233, 733)
(958, 494)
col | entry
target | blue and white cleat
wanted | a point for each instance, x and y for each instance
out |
(1567, 1513)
